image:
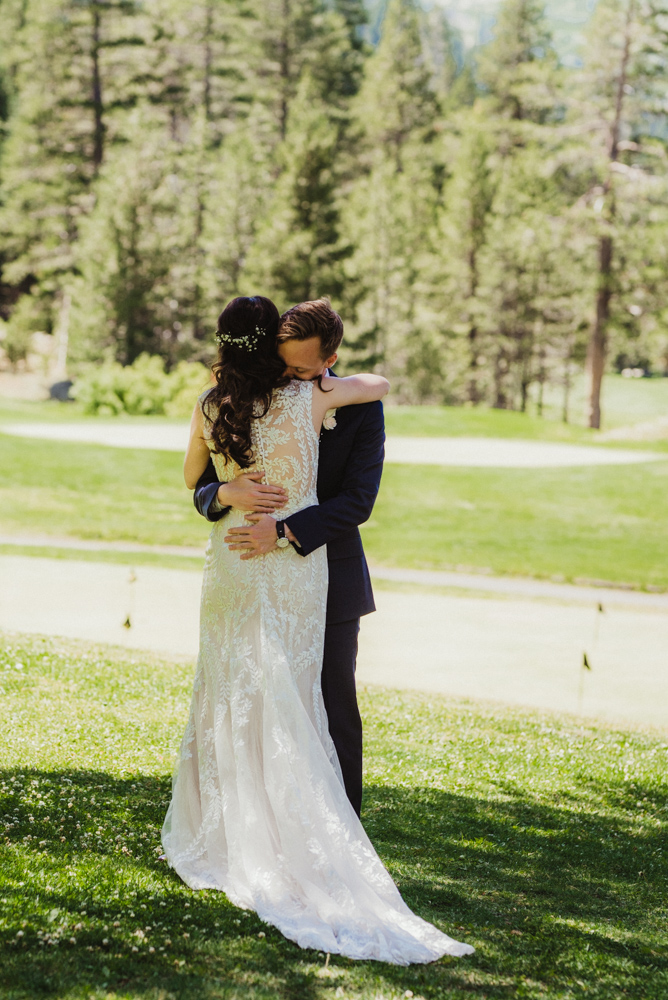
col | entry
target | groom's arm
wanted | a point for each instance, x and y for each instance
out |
(206, 495)
(315, 526)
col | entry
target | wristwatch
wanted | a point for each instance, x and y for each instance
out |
(282, 541)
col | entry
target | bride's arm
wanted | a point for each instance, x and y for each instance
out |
(197, 452)
(334, 392)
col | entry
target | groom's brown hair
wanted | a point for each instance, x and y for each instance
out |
(313, 319)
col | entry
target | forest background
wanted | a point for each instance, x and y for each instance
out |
(489, 220)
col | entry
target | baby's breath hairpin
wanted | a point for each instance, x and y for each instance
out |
(247, 342)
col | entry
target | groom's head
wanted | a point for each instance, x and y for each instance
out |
(309, 335)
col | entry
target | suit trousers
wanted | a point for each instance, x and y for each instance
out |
(340, 697)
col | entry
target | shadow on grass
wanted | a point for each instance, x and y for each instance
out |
(557, 901)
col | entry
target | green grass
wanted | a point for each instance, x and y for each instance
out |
(461, 421)
(129, 559)
(624, 401)
(85, 491)
(607, 523)
(539, 839)
(25, 411)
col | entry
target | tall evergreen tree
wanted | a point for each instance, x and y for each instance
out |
(518, 67)
(290, 38)
(463, 232)
(298, 252)
(73, 65)
(391, 205)
(623, 88)
(124, 299)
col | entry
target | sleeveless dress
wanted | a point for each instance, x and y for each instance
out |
(258, 807)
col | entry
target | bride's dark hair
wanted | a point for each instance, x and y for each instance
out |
(247, 371)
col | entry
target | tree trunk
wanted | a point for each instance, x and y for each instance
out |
(598, 341)
(199, 332)
(541, 381)
(208, 31)
(472, 392)
(59, 369)
(98, 108)
(284, 71)
(500, 373)
(596, 348)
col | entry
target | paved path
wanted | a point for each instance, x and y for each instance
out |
(508, 648)
(507, 586)
(452, 451)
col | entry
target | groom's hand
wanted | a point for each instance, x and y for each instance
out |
(253, 539)
(247, 492)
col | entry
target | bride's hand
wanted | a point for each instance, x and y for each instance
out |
(254, 539)
(247, 492)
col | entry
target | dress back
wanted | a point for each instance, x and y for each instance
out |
(285, 446)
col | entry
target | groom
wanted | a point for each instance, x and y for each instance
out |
(349, 471)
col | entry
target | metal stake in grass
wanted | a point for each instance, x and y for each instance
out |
(586, 665)
(132, 579)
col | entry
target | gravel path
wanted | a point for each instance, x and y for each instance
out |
(506, 586)
(450, 451)
(509, 648)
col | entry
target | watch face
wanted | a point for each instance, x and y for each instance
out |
(282, 543)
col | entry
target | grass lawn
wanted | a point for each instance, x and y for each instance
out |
(624, 401)
(608, 523)
(85, 491)
(462, 421)
(539, 839)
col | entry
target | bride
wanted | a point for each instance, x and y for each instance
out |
(258, 808)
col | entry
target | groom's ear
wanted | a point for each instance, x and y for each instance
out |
(330, 362)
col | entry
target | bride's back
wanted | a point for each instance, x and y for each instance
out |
(284, 444)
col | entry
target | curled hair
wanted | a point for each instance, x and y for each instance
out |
(247, 372)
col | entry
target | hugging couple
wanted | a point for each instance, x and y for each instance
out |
(285, 458)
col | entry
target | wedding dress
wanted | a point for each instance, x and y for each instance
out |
(258, 808)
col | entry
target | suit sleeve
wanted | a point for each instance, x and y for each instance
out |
(205, 494)
(352, 506)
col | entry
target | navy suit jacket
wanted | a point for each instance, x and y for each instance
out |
(349, 471)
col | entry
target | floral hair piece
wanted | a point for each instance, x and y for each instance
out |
(248, 342)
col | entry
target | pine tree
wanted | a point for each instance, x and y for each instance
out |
(298, 252)
(518, 68)
(500, 191)
(397, 103)
(73, 66)
(463, 231)
(294, 37)
(391, 205)
(124, 301)
(623, 83)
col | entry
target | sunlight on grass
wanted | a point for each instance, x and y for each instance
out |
(606, 523)
(537, 838)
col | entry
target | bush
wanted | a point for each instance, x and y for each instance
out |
(141, 388)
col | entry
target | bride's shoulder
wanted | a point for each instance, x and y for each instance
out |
(207, 392)
(201, 400)
(296, 387)
(208, 411)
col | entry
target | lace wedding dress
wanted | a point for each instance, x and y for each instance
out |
(258, 807)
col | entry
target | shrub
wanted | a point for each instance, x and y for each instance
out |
(141, 388)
